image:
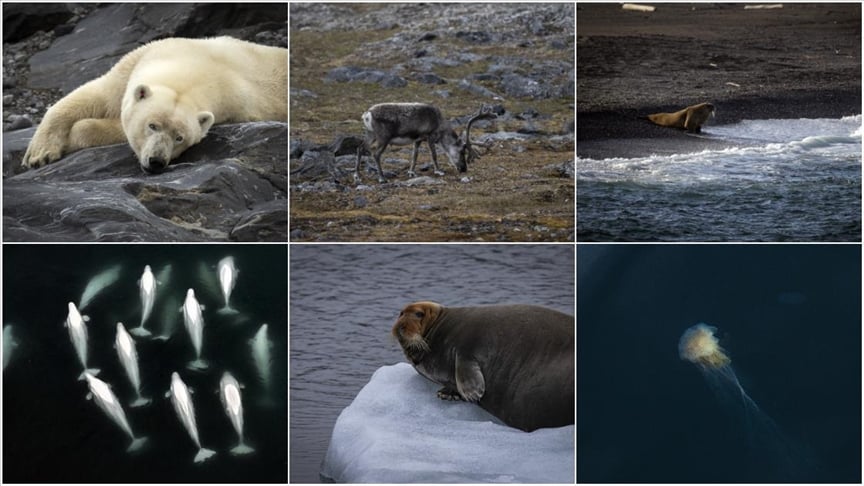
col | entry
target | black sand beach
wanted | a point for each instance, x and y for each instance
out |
(798, 61)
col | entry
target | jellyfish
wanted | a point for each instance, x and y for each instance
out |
(771, 450)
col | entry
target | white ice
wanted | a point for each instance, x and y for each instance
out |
(398, 431)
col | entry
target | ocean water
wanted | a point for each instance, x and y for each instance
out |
(782, 180)
(51, 433)
(345, 299)
(788, 316)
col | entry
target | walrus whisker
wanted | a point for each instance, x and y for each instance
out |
(416, 343)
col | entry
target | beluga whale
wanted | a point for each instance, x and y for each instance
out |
(9, 343)
(147, 292)
(261, 345)
(194, 322)
(99, 283)
(129, 359)
(182, 401)
(101, 393)
(76, 323)
(227, 279)
(229, 392)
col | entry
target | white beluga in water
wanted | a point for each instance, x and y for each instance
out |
(227, 279)
(101, 393)
(182, 401)
(9, 343)
(129, 359)
(229, 392)
(147, 292)
(194, 322)
(261, 355)
(97, 284)
(75, 322)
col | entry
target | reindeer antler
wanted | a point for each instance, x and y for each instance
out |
(485, 112)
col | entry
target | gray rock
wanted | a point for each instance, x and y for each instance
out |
(392, 81)
(230, 187)
(17, 122)
(422, 181)
(429, 78)
(475, 37)
(523, 87)
(430, 63)
(299, 146)
(301, 93)
(484, 77)
(348, 74)
(343, 74)
(21, 20)
(476, 89)
(315, 164)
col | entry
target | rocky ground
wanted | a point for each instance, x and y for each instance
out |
(517, 58)
(798, 61)
(236, 189)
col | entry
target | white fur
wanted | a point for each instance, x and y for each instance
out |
(164, 96)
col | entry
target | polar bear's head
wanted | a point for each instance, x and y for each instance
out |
(160, 125)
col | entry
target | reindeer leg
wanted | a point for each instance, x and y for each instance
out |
(438, 171)
(377, 155)
(411, 172)
(357, 165)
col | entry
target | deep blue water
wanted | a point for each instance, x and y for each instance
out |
(345, 299)
(789, 317)
(51, 433)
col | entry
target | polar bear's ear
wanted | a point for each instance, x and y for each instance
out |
(205, 119)
(142, 91)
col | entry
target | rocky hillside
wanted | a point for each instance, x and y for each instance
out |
(515, 58)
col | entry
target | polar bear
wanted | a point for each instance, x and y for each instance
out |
(163, 97)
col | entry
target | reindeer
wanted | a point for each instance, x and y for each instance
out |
(404, 123)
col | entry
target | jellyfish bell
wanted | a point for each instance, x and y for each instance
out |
(699, 345)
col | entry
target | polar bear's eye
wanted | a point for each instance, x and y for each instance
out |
(178, 139)
(153, 127)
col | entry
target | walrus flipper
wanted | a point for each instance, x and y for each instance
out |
(448, 393)
(469, 379)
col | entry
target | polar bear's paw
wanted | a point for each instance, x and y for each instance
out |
(39, 154)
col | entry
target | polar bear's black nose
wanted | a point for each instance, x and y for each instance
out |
(156, 165)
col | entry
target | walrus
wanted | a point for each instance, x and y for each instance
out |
(690, 118)
(515, 361)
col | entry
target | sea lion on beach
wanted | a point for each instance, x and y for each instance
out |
(515, 361)
(690, 118)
